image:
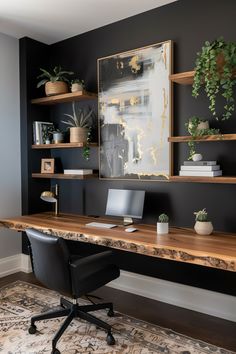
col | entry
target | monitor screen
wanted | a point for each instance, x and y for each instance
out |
(122, 202)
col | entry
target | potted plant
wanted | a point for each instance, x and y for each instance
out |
(79, 123)
(202, 226)
(197, 126)
(56, 82)
(163, 224)
(57, 136)
(215, 66)
(77, 85)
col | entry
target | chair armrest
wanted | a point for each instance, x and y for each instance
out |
(101, 259)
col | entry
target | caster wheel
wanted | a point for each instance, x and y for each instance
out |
(55, 351)
(32, 329)
(110, 313)
(110, 339)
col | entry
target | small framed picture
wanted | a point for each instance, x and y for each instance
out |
(47, 165)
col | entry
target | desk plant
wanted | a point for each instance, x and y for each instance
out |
(202, 225)
(198, 127)
(56, 82)
(215, 69)
(163, 224)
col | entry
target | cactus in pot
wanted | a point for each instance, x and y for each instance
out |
(163, 224)
(202, 225)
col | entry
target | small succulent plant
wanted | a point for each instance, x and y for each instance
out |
(201, 215)
(163, 218)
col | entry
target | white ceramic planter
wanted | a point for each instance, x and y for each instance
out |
(76, 87)
(57, 138)
(203, 227)
(162, 228)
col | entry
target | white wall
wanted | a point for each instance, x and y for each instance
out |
(10, 173)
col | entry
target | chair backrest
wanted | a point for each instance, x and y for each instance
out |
(50, 258)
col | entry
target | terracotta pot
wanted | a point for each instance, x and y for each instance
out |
(162, 228)
(76, 87)
(203, 227)
(56, 88)
(78, 135)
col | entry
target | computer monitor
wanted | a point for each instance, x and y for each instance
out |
(126, 203)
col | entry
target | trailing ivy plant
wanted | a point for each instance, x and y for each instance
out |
(194, 131)
(214, 78)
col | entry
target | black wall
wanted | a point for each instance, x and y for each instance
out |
(188, 24)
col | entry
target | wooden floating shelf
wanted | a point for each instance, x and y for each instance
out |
(62, 176)
(62, 146)
(185, 78)
(222, 179)
(218, 137)
(66, 97)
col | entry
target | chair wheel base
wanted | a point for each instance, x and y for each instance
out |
(55, 351)
(32, 329)
(110, 313)
(110, 339)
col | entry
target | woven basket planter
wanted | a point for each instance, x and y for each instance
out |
(56, 88)
(78, 135)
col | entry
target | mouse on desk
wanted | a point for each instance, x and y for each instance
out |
(130, 229)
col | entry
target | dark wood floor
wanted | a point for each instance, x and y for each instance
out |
(207, 328)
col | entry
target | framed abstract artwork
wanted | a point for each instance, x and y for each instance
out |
(134, 104)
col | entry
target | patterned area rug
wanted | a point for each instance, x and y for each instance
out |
(20, 300)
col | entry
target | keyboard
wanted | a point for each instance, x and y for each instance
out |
(101, 225)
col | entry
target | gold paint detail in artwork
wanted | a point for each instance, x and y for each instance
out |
(164, 54)
(133, 101)
(133, 63)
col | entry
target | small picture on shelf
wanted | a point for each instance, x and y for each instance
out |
(47, 165)
(42, 132)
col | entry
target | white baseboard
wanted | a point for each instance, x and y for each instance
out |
(196, 299)
(189, 297)
(13, 264)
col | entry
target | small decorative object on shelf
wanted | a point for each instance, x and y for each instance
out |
(202, 225)
(215, 70)
(197, 157)
(47, 165)
(79, 124)
(198, 127)
(163, 224)
(77, 85)
(56, 82)
(57, 137)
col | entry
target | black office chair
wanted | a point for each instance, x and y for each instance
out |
(72, 276)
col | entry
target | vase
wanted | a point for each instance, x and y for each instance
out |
(57, 138)
(56, 88)
(162, 228)
(78, 135)
(203, 227)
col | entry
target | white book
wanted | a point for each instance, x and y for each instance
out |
(78, 172)
(200, 168)
(201, 173)
(200, 163)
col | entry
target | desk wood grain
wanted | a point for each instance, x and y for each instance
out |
(182, 245)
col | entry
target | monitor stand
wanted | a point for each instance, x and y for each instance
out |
(127, 221)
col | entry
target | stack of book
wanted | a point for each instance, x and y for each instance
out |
(78, 172)
(200, 169)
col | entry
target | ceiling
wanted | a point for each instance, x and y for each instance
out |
(50, 21)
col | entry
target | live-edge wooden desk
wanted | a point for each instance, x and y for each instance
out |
(182, 245)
